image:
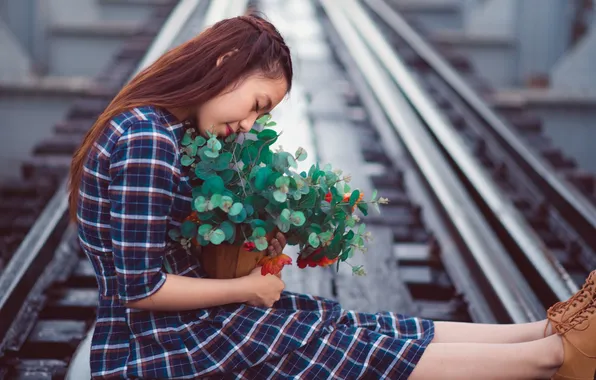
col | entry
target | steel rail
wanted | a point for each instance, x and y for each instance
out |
(218, 10)
(574, 207)
(525, 237)
(37, 249)
(454, 262)
(168, 33)
(518, 300)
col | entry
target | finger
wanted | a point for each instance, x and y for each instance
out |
(272, 250)
(282, 239)
(277, 246)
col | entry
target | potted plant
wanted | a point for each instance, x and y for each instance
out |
(243, 192)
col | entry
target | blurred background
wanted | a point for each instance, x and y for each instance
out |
(532, 62)
(61, 61)
(538, 54)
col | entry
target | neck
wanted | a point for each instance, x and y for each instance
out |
(179, 113)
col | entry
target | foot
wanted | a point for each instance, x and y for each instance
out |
(562, 311)
(579, 344)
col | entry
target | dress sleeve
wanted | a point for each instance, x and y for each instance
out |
(143, 176)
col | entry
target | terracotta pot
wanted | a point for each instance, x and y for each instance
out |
(230, 261)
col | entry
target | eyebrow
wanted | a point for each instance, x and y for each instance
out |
(269, 104)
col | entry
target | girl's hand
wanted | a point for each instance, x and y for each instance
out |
(264, 290)
(276, 247)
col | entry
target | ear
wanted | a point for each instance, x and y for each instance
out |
(224, 57)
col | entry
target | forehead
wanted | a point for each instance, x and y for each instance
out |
(260, 85)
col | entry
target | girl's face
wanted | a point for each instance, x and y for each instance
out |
(237, 108)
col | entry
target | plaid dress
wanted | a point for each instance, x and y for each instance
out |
(133, 191)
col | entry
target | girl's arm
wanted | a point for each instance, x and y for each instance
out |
(186, 293)
(143, 179)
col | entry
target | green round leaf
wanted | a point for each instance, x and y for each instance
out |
(257, 223)
(187, 139)
(222, 162)
(200, 141)
(203, 170)
(261, 243)
(228, 229)
(200, 204)
(211, 153)
(226, 203)
(283, 227)
(313, 240)
(214, 144)
(249, 154)
(261, 178)
(213, 185)
(174, 234)
(292, 162)
(238, 218)
(300, 154)
(267, 134)
(280, 196)
(361, 228)
(217, 236)
(235, 209)
(204, 229)
(282, 181)
(264, 119)
(301, 185)
(325, 236)
(249, 209)
(215, 201)
(285, 215)
(297, 218)
(323, 184)
(227, 175)
(186, 160)
(188, 229)
(280, 161)
(259, 232)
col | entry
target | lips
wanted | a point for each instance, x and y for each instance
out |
(229, 130)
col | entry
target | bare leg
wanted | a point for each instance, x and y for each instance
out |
(538, 359)
(459, 332)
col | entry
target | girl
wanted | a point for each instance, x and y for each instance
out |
(128, 188)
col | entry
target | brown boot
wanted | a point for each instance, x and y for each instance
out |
(579, 343)
(562, 311)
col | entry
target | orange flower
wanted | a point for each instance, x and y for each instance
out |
(308, 261)
(274, 265)
(325, 261)
(193, 217)
(347, 199)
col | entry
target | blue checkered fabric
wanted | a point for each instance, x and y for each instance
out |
(133, 191)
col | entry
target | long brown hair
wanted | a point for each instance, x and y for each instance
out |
(188, 76)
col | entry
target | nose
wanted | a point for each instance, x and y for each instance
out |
(246, 124)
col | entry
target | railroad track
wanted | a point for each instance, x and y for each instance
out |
(48, 290)
(527, 230)
(550, 192)
(483, 230)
